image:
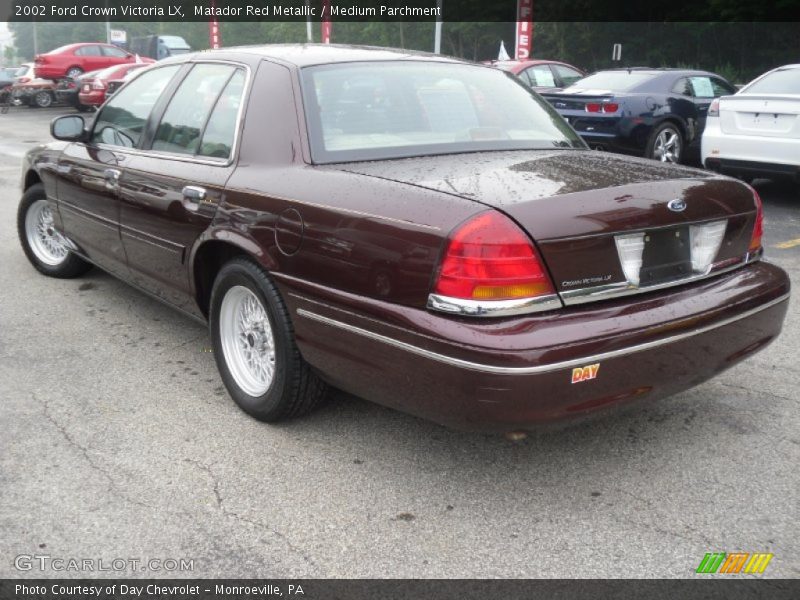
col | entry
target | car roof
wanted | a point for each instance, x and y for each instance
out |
(658, 71)
(303, 55)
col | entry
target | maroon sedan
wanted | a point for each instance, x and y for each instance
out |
(93, 89)
(415, 230)
(73, 59)
(542, 75)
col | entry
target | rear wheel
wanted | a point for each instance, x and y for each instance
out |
(43, 99)
(74, 72)
(46, 248)
(254, 346)
(666, 144)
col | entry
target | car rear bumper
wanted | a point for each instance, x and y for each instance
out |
(749, 154)
(507, 374)
(93, 98)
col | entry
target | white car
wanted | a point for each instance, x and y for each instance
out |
(756, 132)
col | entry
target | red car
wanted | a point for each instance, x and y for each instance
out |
(93, 90)
(74, 59)
(542, 74)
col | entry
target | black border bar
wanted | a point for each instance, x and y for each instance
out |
(401, 10)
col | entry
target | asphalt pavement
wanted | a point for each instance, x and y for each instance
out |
(118, 441)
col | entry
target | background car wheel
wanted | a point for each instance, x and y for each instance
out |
(666, 144)
(43, 245)
(84, 108)
(42, 99)
(254, 346)
(74, 72)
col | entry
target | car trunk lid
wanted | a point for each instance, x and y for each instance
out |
(761, 115)
(588, 211)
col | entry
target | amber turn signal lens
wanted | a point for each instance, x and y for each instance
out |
(490, 258)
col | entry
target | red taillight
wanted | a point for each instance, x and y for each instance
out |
(758, 228)
(605, 107)
(490, 258)
(713, 109)
(97, 84)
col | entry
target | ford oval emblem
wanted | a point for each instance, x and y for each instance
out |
(676, 205)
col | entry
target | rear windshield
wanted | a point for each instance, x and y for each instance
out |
(785, 81)
(368, 111)
(613, 81)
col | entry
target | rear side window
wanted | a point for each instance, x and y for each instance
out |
(221, 127)
(182, 125)
(122, 120)
(568, 76)
(682, 87)
(115, 52)
(785, 81)
(88, 51)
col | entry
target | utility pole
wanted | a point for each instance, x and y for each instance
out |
(35, 39)
(309, 33)
(437, 38)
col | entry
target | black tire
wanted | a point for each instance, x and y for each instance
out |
(43, 99)
(71, 266)
(294, 389)
(669, 129)
(84, 107)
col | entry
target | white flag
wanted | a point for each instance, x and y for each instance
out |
(503, 55)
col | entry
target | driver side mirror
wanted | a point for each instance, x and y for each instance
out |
(70, 128)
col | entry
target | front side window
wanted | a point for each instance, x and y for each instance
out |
(702, 87)
(182, 125)
(122, 120)
(541, 76)
(367, 111)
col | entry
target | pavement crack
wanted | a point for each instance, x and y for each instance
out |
(84, 451)
(242, 519)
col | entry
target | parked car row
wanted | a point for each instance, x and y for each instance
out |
(675, 115)
(75, 59)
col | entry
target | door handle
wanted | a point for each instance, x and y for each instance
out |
(112, 178)
(193, 196)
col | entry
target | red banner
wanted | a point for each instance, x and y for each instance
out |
(524, 29)
(327, 26)
(214, 36)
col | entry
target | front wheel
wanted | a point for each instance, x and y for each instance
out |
(666, 144)
(46, 248)
(254, 346)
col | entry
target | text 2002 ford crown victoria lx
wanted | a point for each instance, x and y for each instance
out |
(418, 231)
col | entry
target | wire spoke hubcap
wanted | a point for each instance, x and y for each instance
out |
(247, 341)
(668, 146)
(47, 244)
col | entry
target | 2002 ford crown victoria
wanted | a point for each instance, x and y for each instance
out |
(418, 231)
